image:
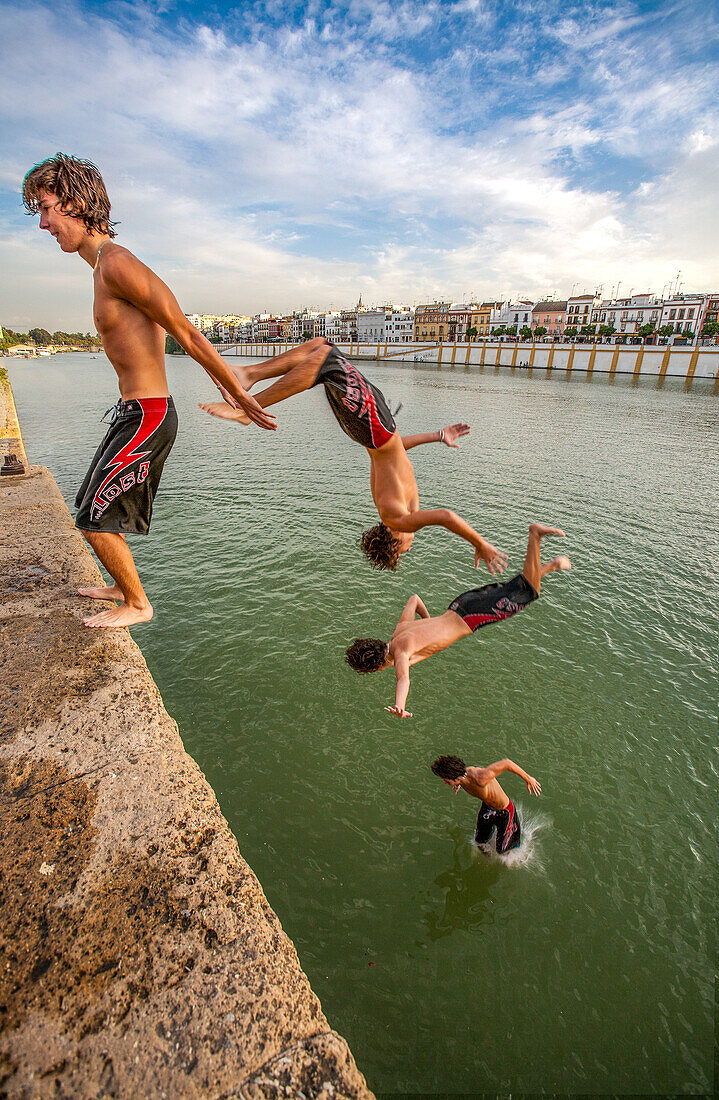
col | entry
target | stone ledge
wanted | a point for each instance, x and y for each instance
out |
(140, 955)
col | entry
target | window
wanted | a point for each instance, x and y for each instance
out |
(680, 315)
(672, 314)
(690, 313)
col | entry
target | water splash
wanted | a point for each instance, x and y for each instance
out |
(529, 851)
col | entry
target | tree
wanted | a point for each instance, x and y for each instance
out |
(498, 330)
(40, 336)
(570, 331)
(711, 328)
(588, 330)
(525, 332)
(607, 330)
(666, 330)
(540, 330)
(645, 330)
(471, 332)
(172, 347)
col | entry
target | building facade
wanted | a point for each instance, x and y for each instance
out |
(550, 315)
(431, 321)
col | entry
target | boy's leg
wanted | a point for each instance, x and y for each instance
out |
(300, 377)
(533, 569)
(114, 553)
(278, 365)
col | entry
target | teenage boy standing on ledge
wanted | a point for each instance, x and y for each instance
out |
(133, 309)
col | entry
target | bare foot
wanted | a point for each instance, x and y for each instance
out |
(111, 592)
(224, 411)
(540, 530)
(243, 376)
(556, 564)
(121, 616)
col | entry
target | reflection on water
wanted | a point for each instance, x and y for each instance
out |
(465, 892)
(597, 940)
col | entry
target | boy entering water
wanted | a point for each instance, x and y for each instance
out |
(414, 641)
(497, 810)
(364, 415)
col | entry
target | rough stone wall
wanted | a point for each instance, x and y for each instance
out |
(139, 955)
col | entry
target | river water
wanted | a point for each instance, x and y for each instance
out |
(584, 964)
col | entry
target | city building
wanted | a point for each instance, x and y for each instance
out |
(684, 313)
(512, 315)
(399, 325)
(431, 321)
(370, 325)
(580, 308)
(459, 319)
(628, 315)
(549, 315)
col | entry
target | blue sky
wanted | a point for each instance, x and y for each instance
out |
(270, 155)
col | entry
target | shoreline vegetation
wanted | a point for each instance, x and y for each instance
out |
(40, 338)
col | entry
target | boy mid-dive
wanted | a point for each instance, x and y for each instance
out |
(497, 810)
(414, 640)
(364, 415)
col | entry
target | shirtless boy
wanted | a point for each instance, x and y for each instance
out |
(364, 415)
(132, 311)
(414, 641)
(497, 811)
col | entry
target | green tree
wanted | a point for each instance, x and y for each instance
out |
(711, 328)
(540, 330)
(645, 330)
(570, 331)
(525, 332)
(471, 332)
(666, 330)
(588, 330)
(498, 330)
(607, 330)
(172, 347)
(40, 336)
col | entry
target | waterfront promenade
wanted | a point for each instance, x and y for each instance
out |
(662, 361)
(140, 955)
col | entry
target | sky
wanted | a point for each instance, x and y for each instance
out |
(266, 156)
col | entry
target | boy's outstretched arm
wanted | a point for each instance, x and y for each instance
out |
(493, 770)
(448, 436)
(401, 670)
(414, 606)
(128, 278)
(495, 560)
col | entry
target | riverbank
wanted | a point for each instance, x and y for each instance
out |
(141, 957)
(664, 361)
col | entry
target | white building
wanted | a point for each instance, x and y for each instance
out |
(627, 315)
(370, 325)
(512, 315)
(399, 325)
(580, 308)
(684, 312)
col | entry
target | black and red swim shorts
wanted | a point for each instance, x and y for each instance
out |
(120, 486)
(360, 408)
(506, 822)
(493, 602)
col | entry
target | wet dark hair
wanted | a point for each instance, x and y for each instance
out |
(449, 767)
(79, 187)
(366, 654)
(381, 547)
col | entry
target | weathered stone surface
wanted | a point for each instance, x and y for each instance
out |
(140, 957)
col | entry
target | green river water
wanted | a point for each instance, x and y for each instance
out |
(584, 964)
